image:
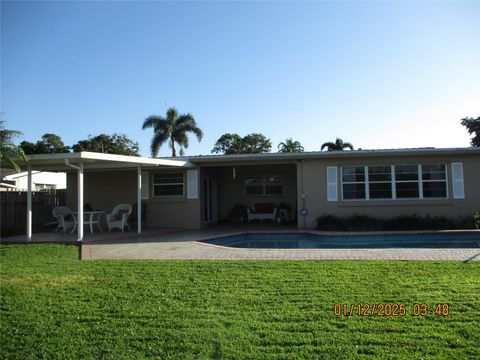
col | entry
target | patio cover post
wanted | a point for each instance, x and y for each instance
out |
(139, 199)
(29, 203)
(80, 202)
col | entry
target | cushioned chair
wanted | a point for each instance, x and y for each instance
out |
(118, 219)
(261, 211)
(64, 217)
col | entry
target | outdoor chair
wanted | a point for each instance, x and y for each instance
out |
(64, 217)
(262, 211)
(118, 219)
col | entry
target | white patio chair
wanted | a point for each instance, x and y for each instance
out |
(65, 218)
(118, 219)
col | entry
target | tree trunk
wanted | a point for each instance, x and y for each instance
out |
(173, 148)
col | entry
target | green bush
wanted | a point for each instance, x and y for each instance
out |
(405, 222)
(237, 212)
(476, 219)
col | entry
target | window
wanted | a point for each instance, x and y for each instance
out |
(254, 185)
(264, 185)
(273, 185)
(380, 182)
(434, 181)
(168, 184)
(353, 178)
(406, 181)
(394, 182)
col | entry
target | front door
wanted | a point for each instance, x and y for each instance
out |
(209, 200)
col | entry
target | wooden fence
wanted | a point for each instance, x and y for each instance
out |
(13, 216)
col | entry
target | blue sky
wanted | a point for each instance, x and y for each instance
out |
(380, 75)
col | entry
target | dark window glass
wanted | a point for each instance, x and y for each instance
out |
(264, 185)
(379, 173)
(254, 190)
(254, 185)
(353, 174)
(353, 191)
(167, 178)
(168, 190)
(168, 184)
(407, 190)
(433, 172)
(434, 189)
(273, 189)
(380, 190)
(406, 172)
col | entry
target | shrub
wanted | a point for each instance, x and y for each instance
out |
(404, 222)
(237, 212)
(476, 220)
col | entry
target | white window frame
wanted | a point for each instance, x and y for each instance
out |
(442, 180)
(169, 184)
(365, 182)
(418, 181)
(378, 182)
(393, 181)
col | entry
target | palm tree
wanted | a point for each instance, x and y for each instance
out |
(338, 145)
(9, 152)
(290, 146)
(172, 129)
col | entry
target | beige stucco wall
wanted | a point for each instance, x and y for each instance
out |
(232, 191)
(312, 182)
(105, 189)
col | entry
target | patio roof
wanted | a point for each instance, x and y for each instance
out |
(92, 160)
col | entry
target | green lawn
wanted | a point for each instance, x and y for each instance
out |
(55, 306)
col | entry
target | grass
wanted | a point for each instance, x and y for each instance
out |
(55, 306)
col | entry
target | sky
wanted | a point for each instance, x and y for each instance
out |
(376, 74)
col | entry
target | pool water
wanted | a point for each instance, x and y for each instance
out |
(314, 241)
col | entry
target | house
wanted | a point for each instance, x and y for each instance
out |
(196, 191)
(41, 180)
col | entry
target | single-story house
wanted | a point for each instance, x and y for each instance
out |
(41, 180)
(195, 191)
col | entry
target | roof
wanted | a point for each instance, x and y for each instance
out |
(92, 160)
(292, 157)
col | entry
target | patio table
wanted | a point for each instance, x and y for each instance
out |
(92, 219)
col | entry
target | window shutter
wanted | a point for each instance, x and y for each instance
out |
(192, 184)
(332, 187)
(145, 185)
(457, 181)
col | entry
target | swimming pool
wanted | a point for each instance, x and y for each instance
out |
(314, 241)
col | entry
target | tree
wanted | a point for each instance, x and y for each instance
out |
(9, 152)
(172, 129)
(338, 145)
(250, 144)
(228, 144)
(473, 127)
(256, 144)
(49, 144)
(290, 146)
(118, 144)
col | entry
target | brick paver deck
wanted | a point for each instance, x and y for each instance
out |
(184, 244)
